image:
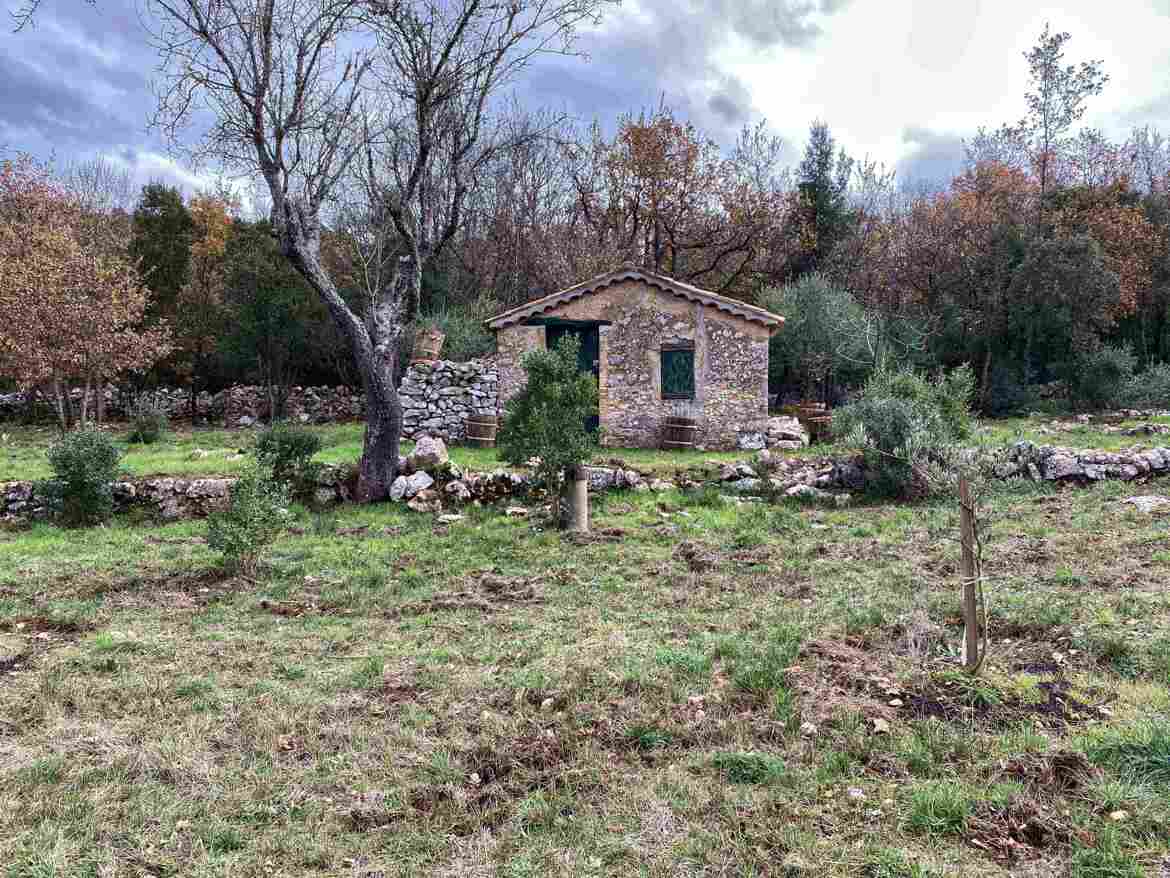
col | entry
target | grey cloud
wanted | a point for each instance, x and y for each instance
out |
(934, 158)
(667, 50)
(731, 102)
(83, 87)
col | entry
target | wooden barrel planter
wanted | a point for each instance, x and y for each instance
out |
(679, 433)
(819, 428)
(481, 430)
(427, 345)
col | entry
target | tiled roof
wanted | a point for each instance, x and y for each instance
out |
(538, 306)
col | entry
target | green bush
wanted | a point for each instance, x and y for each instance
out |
(905, 423)
(287, 450)
(1099, 379)
(148, 423)
(85, 464)
(547, 419)
(1150, 389)
(256, 514)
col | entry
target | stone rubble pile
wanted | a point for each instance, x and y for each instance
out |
(781, 432)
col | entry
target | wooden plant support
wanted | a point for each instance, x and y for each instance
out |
(972, 654)
(576, 494)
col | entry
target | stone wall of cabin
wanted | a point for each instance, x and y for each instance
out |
(731, 364)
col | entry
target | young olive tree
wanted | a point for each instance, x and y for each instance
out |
(547, 420)
(321, 96)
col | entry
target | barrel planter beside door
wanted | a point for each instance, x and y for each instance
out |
(481, 430)
(679, 433)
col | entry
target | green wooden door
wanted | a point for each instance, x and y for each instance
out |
(588, 355)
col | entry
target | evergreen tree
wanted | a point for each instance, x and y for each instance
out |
(823, 176)
(161, 242)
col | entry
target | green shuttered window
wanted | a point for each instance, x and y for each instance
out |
(678, 373)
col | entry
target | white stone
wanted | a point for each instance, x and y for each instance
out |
(417, 482)
(751, 441)
(429, 453)
(1148, 503)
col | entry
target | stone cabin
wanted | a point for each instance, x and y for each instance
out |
(658, 347)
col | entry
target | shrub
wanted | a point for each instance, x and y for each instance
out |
(148, 423)
(85, 464)
(904, 423)
(1150, 389)
(287, 450)
(1099, 379)
(547, 419)
(256, 514)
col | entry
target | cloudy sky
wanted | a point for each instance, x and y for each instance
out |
(900, 81)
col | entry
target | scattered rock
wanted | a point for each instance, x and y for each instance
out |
(458, 490)
(429, 452)
(1148, 503)
(450, 518)
(416, 483)
(245, 421)
(751, 441)
(659, 485)
(516, 512)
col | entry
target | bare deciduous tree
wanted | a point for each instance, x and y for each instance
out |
(299, 91)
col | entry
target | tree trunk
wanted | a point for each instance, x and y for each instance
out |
(379, 463)
(195, 388)
(374, 346)
(85, 388)
(59, 404)
(99, 404)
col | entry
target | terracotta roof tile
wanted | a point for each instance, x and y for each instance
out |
(684, 290)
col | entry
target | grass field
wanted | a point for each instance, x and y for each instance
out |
(698, 689)
(204, 452)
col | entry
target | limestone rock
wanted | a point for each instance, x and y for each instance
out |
(751, 441)
(746, 485)
(398, 488)
(425, 501)
(600, 478)
(660, 485)
(1062, 466)
(1148, 503)
(785, 428)
(458, 490)
(429, 452)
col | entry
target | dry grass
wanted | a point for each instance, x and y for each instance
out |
(777, 696)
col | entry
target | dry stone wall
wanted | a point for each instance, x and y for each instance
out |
(439, 397)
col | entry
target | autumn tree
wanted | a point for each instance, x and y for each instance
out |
(70, 313)
(200, 313)
(305, 94)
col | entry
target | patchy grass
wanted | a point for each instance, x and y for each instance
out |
(742, 689)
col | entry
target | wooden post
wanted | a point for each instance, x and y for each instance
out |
(971, 659)
(577, 500)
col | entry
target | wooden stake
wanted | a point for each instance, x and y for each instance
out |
(971, 659)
